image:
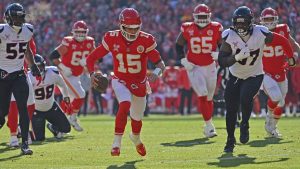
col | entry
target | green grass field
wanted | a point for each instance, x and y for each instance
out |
(171, 142)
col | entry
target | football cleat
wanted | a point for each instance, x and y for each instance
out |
(271, 129)
(244, 133)
(115, 151)
(54, 132)
(14, 142)
(209, 131)
(136, 140)
(229, 145)
(25, 150)
(73, 121)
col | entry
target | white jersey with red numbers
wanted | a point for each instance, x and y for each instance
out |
(13, 46)
(130, 58)
(274, 56)
(201, 41)
(76, 51)
(44, 89)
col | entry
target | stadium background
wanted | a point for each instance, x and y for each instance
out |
(53, 19)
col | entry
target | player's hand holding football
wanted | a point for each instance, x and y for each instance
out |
(244, 53)
(99, 81)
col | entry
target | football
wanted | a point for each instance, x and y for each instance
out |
(102, 83)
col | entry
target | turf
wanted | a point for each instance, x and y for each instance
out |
(171, 142)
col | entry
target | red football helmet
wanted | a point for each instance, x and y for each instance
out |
(269, 18)
(130, 18)
(80, 31)
(202, 15)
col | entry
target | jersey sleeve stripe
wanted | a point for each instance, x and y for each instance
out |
(1, 29)
(29, 28)
(153, 46)
(105, 44)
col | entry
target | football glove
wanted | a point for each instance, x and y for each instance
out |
(215, 55)
(244, 53)
(187, 65)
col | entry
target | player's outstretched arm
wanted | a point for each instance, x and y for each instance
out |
(29, 58)
(295, 45)
(225, 57)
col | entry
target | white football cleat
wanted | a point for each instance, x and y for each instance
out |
(73, 121)
(271, 128)
(209, 131)
(14, 141)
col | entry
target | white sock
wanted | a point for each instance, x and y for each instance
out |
(117, 141)
(209, 122)
(135, 139)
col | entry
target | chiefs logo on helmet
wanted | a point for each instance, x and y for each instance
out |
(130, 23)
(202, 15)
(269, 18)
(80, 31)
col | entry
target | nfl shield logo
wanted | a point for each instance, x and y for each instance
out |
(140, 49)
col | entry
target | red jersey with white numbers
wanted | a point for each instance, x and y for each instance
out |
(76, 51)
(130, 58)
(201, 41)
(171, 76)
(274, 56)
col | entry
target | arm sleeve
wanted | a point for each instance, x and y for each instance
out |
(154, 56)
(96, 54)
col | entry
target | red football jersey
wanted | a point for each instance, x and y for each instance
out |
(76, 51)
(274, 55)
(171, 76)
(201, 42)
(130, 58)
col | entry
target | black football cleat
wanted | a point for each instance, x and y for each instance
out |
(244, 133)
(25, 150)
(54, 132)
(229, 145)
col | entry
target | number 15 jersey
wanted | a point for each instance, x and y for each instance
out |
(13, 46)
(130, 58)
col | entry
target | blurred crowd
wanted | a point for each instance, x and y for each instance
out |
(53, 19)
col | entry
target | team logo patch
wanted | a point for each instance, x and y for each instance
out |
(116, 47)
(140, 49)
(191, 32)
(88, 45)
(210, 32)
(73, 47)
(281, 33)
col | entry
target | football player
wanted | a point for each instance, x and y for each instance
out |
(275, 82)
(12, 119)
(242, 51)
(70, 58)
(170, 78)
(202, 38)
(14, 37)
(45, 106)
(131, 48)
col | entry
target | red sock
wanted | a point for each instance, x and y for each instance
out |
(278, 112)
(121, 118)
(204, 108)
(76, 105)
(136, 126)
(30, 109)
(211, 107)
(12, 121)
(271, 105)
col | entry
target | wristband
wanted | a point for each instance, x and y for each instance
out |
(157, 71)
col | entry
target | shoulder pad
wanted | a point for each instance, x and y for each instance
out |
(168, 67)
(89, 38)
(113, 33)
(53, 69)
(262, 28)
(29, 27)
(146, 35)
(225, 33)
(2, 26)
(176, 67)
(187, 24)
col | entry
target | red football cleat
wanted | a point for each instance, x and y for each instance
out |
(115, 151)
(141, 149)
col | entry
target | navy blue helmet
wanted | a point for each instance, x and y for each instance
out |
(243, 20)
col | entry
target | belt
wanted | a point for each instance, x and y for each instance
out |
(4, 75)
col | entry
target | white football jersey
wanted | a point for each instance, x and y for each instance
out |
(252, 65)
(44, 90)
(13, 46)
